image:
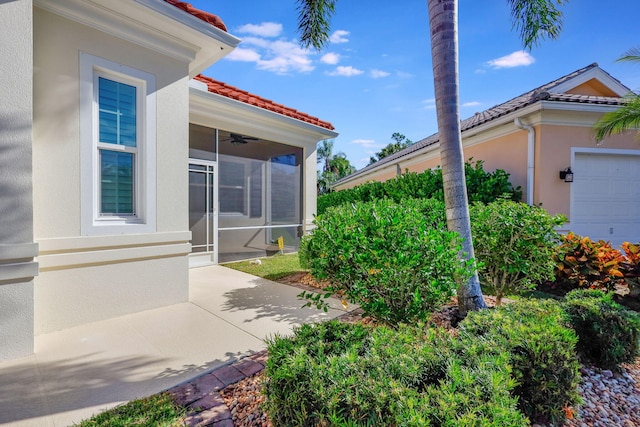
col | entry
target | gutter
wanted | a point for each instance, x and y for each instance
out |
(531, 146)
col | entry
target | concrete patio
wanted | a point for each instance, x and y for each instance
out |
(78, 372)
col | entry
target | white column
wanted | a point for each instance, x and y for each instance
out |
(17, 248)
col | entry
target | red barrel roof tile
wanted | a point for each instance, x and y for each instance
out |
(232, 92)
(200, 14)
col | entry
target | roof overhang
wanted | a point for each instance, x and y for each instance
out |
(153, 24)
(214, 110)
(487, 127)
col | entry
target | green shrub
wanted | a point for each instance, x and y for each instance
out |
(482, 186)
(396, 261)
(542, 353)
(608, 333)
(409, 376)
(514, 244)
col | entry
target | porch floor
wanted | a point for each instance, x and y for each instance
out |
(80, 371)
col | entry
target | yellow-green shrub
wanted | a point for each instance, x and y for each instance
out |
(408, 376)
(608, 334)
(397, 261)
(514, 244)
(542, 353)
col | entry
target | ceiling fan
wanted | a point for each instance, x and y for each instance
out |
(237, 139)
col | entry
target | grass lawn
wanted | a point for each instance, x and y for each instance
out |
(153, 411)
(271, 268)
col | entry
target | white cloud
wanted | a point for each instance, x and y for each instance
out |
(243, 55)
(471, 104)
(518, 58)
(346, 71)
(330, 58)
(265, 29)
(277, 56)
(404, 75)
(376, 74)
(339, 36)
(256, 41)
(367, 143)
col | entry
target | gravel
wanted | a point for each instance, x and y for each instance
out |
(609, 398)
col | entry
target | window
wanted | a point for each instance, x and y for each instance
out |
(232, 197)
(117, 147)
(117, 112)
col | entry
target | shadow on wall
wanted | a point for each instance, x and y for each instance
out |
(16, 195)
(106, 382)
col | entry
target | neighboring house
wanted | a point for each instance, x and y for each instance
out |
(537, 135)
(121, 165)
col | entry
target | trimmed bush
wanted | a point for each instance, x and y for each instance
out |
(409, 376)
(397, 261)
(542, 353)
(482, 187)
(608, 333)
(514, 244)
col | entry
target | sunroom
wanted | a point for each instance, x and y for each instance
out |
(252, 174)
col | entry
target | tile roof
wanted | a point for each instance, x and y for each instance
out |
(542, 93)
(200, 14)
(232, 92)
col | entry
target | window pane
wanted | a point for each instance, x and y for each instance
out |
(198, 208)
(116, 183)
(285, 190)
(231, 200)
(256, 190)
(232, 188)
(117, 112)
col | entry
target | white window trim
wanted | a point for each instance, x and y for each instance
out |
(92, 223)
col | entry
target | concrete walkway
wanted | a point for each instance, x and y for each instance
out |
(78, 372)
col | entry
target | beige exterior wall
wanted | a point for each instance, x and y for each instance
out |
(508, 152)
(17, 248)
(506, 147)
(86, 278)
(381, 175)
(592, 88)
(555, 155)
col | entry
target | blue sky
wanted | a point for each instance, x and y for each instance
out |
(375, 77)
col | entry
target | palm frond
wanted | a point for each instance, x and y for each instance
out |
(625, 118)
(632, 54)
(536, 19)
(314, 22)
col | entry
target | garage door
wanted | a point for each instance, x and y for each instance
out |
(606, 197)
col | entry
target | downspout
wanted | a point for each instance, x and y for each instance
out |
(531, 152)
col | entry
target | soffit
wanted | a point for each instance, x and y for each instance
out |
(153, 24)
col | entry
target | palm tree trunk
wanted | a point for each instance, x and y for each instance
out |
(443, 24)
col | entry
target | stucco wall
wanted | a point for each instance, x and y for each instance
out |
(555, 155)
(557, 131)
(102, 276)
(508, 152)
(16, 208)
(58, 43)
